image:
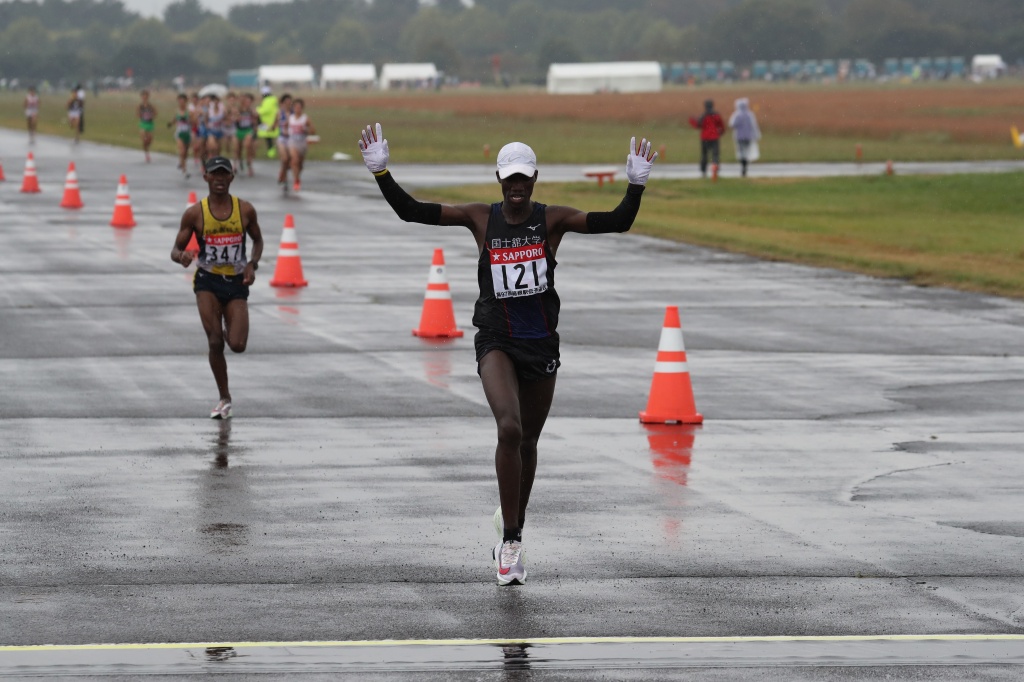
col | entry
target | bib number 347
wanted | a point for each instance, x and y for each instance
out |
(520, 271)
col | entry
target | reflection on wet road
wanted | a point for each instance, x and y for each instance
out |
(224, 505)
(516, 658)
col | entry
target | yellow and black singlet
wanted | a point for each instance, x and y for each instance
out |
(222, 243)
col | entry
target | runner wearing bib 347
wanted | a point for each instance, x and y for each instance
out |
(517, 311)
(221, 224)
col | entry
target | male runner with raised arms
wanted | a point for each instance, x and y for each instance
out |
(517, 311)
(220, 223)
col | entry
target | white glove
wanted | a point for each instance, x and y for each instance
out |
(375, 149)
(639, 161)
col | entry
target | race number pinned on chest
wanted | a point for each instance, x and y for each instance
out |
(519, 271)
(223, 249)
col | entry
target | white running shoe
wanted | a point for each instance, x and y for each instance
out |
(499, 523)
(222, 411)
(508, 559)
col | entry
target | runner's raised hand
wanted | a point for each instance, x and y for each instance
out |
(375, 149)
(639, 161)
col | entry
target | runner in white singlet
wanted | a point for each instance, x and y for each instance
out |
(300, 127)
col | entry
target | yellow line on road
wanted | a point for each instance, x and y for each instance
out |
(536, 641)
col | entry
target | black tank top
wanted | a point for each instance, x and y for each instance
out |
(516, 274)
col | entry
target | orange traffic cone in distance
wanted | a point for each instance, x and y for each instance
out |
(123, 216)
(438, 317)
(30, 183)
(714, 172)
(288, 270)
(671, 397)
(2, 178)
(72, 197)
(193, 245)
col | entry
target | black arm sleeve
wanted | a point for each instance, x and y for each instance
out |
(407, 208)
(619, 220)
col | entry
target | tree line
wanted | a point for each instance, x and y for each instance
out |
(516, 39)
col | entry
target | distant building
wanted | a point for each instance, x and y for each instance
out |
(243, 78)
(585, 78)
(288, 75)
(348, 75)
(423, 75)
(987, 66)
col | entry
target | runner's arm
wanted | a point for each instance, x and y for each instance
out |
(374, 149)
(638, 167)
(185, 231)
(252, 228)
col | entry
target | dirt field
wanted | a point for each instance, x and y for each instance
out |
(957, 113)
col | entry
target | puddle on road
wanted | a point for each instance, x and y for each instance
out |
(458, 655)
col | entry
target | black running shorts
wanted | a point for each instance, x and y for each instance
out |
(534, 359)
(225, 288)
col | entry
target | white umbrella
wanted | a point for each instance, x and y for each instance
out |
(214, 89)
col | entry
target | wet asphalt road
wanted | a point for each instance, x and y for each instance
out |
(859, 471)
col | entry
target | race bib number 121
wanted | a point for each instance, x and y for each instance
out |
(519, 271)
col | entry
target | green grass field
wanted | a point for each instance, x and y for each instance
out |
(961, 231)
(418, 136)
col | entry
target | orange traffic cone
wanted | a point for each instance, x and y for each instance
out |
(714, 172)
(72, 198)
(123, 216)
(30, 183)
(889, 169)
(288, 271)
(671, 398)
(2, 178)
(193, 245)
(438, 318)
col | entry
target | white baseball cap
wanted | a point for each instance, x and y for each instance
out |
(516, 157)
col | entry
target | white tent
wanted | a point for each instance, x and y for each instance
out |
(288, 74)
(347, 74)
(411, 75)
(604, 77)
(987, 66)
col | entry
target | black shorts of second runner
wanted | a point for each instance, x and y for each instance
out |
(225, 288)
(534, 359)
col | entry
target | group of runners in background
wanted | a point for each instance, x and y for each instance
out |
(208, 127)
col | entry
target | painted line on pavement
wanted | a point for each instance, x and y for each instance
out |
(126, 646)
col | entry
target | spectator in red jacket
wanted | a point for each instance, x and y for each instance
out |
(711, 129)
